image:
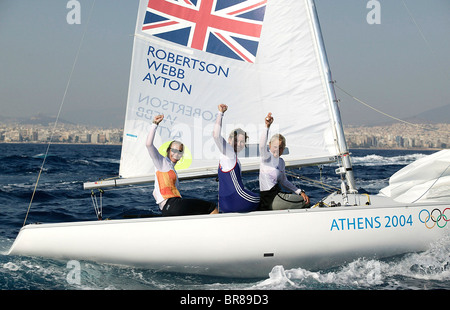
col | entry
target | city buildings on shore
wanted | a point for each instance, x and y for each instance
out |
(63, 133)
(398, 135)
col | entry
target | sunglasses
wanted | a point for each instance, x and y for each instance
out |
(176, 151)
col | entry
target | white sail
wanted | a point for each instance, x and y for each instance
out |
(255, 56)
(425, 180)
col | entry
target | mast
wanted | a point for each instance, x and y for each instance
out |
(346, 171)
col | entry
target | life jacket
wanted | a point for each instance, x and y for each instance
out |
(167, 184)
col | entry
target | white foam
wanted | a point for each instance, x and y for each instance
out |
(411, 271)
(374, 160)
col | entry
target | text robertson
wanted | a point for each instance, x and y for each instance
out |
(168, 70)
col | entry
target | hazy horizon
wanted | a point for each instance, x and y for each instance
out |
(399, 66)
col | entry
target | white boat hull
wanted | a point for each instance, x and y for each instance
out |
(245, 245)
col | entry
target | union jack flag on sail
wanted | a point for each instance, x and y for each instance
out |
(229, 28)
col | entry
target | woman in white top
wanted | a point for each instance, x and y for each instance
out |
(272, 168)
(166, 191)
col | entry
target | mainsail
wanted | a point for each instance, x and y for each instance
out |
(256, 56)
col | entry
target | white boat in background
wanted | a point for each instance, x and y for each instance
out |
(257, 57)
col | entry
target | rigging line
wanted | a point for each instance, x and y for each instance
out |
(417, 25)
(376, 110)
(422, 34)
(313, 182)
(388, 115)
(59, 112)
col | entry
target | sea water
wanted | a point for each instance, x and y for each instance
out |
(60, 197)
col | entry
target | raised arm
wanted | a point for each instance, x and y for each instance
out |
(218, 139)
(265, 154)
(152, 150)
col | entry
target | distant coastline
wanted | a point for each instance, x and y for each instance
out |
(397, 136)
(395, 149)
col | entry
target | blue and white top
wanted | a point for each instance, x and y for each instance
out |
(233, 197)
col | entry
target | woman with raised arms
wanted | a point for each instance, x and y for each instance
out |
(233, 197)
(272, 169)
(166, 191)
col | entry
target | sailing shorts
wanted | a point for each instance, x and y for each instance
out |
(187, 206)
(267, 198)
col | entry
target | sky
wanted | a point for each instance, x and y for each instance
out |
(399, 66)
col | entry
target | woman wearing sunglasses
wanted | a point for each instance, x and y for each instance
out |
(166, 191)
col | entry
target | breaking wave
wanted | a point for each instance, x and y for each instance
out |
(414, 271)
(376, 160)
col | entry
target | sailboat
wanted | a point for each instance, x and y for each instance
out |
(256, 56)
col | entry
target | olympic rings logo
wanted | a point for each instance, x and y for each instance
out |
(435, 218)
